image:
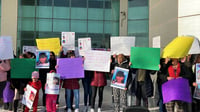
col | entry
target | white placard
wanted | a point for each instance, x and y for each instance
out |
(195, 48)
(122, 45)
(30, 49)
(68, 40)
(84, 44)
(53, 83)
(97, 61)
(6, 48)
(156, 42)
(29, 96)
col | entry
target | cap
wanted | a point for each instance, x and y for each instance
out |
(35, 74)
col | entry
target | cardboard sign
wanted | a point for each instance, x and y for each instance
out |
(119, 78)
(122, 45)
(6, 48)
(84, 45)
(68, 40)
(53, 83)
(97, 61)
(29, 96)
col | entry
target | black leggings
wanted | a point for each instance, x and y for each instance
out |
(43, 92)
(2, 86)
(94, 93)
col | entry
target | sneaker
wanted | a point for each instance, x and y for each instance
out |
(99, 110)
(85, 109)
(76, 110)
(57, 105)
(91, 110)
(69, 110)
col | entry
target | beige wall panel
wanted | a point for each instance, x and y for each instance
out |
(9, 19)
(163, 20)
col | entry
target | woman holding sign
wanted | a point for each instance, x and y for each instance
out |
(176, 70)
(196, 84)
(120, 95)
(98, 82)
(4, 67)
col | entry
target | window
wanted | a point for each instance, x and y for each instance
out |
(62, 3)
(138, 21)
(98, 19)
(79, 3)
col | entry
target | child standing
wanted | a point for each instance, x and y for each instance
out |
(35, 83)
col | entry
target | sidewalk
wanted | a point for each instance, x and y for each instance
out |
(106, 107)
(107, 101)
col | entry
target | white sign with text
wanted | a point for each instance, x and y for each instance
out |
(97, 61)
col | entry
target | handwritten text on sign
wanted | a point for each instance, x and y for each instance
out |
(97, 61)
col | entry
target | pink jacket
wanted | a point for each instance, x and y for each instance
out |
(4, 67)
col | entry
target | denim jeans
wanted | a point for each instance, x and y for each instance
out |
(161, 105)
(76, 95)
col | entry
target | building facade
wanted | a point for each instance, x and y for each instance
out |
(26, 20)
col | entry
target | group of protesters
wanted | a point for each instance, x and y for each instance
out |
(139, 85)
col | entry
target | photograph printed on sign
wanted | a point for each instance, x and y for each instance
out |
(42, 59)
(29, 96)
(119, 78)
(198, 74)
(53, 83)
(196, 94)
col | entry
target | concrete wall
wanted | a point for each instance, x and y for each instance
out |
(123, 18)
(163, 20)
(9, 13)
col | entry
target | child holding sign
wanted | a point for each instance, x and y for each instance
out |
(35, 83)
(52, 90)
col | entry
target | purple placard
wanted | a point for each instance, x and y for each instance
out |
(176, 89)
(70, 68)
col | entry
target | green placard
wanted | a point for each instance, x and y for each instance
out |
(145, 58)
(22, 68)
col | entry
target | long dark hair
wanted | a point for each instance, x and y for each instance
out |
(53, 54)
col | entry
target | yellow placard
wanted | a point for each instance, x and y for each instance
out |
(52, 44)
(178, 48)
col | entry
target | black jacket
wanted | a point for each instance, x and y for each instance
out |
(148, 83)
(125, 64)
